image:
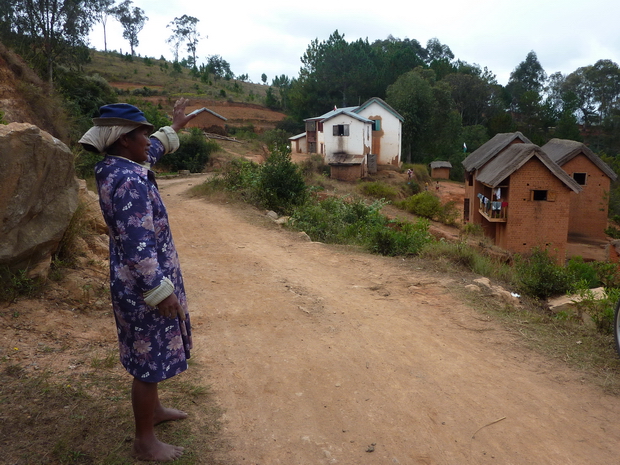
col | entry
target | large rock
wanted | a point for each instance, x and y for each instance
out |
(38, 195)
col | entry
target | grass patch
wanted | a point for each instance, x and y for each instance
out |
(560, 338)
(86, 418)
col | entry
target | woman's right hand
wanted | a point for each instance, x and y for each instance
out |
(171, 308)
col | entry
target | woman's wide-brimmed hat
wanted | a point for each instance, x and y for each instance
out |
(121, 114)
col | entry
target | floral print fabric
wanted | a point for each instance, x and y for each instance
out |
(142, 253)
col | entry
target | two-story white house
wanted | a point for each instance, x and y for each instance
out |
(348, 137)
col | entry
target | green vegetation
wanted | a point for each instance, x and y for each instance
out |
(192, 155)
(15, 284)
(427, 205)
(379, 190)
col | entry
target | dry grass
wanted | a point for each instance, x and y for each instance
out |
(154, 74)
(84, 416)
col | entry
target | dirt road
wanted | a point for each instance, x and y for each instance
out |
(320, 355)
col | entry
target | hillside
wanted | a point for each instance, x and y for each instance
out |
(154, 80)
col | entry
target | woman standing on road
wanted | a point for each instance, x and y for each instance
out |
(148, 297)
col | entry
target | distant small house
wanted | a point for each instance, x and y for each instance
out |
(588, 209)
(298, 143)
(208, 121)
(440, 169)
(346, 167)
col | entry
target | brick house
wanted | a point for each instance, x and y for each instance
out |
(440, 169)
(522, 197)
(589, 208)
(476, 160)
(208, 121)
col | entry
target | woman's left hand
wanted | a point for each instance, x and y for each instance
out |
(179, 118)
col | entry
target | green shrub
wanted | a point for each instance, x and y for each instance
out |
(613, 232)
(539, 275)
(423, 204)
(347, 221)
(193, 153)
(472, 229)
(470, 258)
(379, 190)
(600, 310)
(240, 174)
(420, 173)
(448, 214)
(281, 185)
(583, 272)
(400, 238)
(14, 284)
(314, 164)
(85, 163)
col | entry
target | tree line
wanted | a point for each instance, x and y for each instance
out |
(448, 104)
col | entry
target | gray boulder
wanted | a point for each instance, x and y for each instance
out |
(38, 196)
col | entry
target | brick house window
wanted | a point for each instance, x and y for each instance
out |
(580, 178)
(341, 130)
(542, 195)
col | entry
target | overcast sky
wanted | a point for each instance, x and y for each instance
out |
(270, 36)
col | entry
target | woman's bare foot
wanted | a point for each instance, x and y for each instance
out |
(167, 414)
(155, 450)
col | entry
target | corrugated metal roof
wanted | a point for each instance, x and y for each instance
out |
(491, 148)
(331, 113)
(298, 136)
(380, 102)
(513, 158)
(346, 159)
(562, 151)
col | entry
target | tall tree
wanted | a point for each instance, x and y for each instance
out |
(472, 90)
(184, 29)
(528, 76)
(334, 72)
(132, 19)
(412, 96)
(101, 10)
(217, 66)
(54, 27)
(395, 57)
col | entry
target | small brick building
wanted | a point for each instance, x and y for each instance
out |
(440, 169)
(208, 121)
(589, 208)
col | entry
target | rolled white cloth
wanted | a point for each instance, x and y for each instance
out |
(168, 137)
(102, 137)
(154, 296)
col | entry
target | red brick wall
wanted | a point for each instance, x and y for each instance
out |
(206, 120)
(534, 223)
(347, 172)
(588, 209)
(440, 173)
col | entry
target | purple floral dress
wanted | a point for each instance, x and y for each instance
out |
(142, 253)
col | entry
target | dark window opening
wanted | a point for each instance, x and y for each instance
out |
(341, 130)
(539, 195)
(376, 125)
(580, 178)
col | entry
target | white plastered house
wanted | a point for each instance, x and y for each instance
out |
(349, 135)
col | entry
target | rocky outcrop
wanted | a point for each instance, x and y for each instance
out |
(38, 195)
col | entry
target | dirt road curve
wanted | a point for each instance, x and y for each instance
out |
(321, 356)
